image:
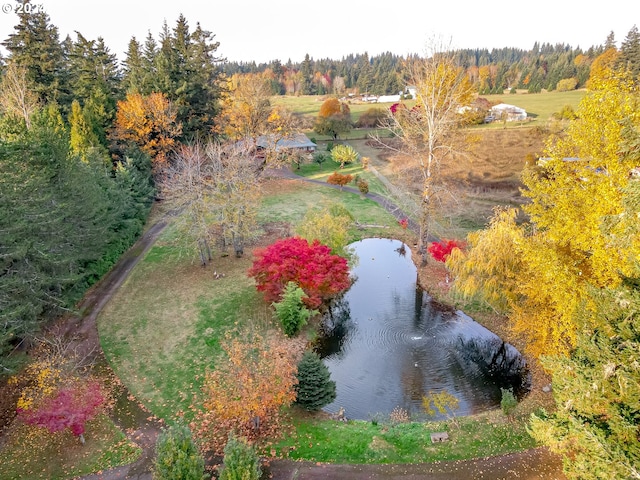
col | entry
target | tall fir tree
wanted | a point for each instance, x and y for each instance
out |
(630, 53)
(35, 45)
(133, 68)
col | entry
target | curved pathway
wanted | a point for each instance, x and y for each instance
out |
(384, 202)
(528, 465)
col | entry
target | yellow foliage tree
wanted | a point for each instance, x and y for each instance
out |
(248, 388)
(570, 243)
(150, 123)
(329, 225)
(491, 266)
(248, 115)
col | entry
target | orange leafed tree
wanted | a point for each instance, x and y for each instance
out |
(148, 121)
(247, 390)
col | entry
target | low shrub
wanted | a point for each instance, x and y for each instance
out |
(291, 311)
(508, 402)
(177, 456)
(240, 461)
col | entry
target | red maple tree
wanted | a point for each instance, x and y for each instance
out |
(441, 250)
(312, 267)
(70, 407)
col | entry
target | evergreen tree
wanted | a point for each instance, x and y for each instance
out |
(82, 136)
(364, 82)
(596, 425)
(133, 74)
(630, 53)
(315, 388)
(149, 55)
(177, 456)
(63, 228)
(35, 45)
(94, 80)
(306, 70)
(185, 70)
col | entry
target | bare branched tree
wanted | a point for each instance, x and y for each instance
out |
(216, 189)
(17, 95)
(428, 131)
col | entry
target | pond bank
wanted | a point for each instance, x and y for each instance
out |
(433, 278)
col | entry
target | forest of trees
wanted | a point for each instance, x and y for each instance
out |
(545, 66)
(82, 140)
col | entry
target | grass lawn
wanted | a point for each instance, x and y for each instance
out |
(386, 442)
(322, 171)
(161, 331)
(34, 453)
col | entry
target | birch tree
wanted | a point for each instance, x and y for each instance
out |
(17, 94)
(428, 130)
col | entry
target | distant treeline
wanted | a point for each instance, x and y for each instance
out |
(545, 66)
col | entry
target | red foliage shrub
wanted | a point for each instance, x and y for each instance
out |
(404, 223)
(312, 266)
(70, 407)
(442, 249)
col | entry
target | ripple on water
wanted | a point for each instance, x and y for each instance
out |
(387, 343)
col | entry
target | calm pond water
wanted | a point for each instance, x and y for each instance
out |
(387, 343)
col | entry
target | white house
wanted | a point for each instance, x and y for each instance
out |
(388, 98)
(513, 113)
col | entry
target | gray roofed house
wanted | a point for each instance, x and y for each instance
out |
(298, 142)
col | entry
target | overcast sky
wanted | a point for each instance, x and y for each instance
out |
(264, 30)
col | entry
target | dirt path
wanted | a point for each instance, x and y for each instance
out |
(529, 465)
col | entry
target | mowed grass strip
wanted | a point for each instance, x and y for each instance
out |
(360, 442)
(162, 330)
(321, 172)
(289, 200)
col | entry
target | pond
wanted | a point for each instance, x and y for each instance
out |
(387, 343)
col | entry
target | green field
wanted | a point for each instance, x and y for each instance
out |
(539, 106)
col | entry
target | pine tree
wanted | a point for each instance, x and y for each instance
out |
(34, 45)
(306, 71)
(630, 53)
(315, 388)
(133, 75)
(596, 425)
